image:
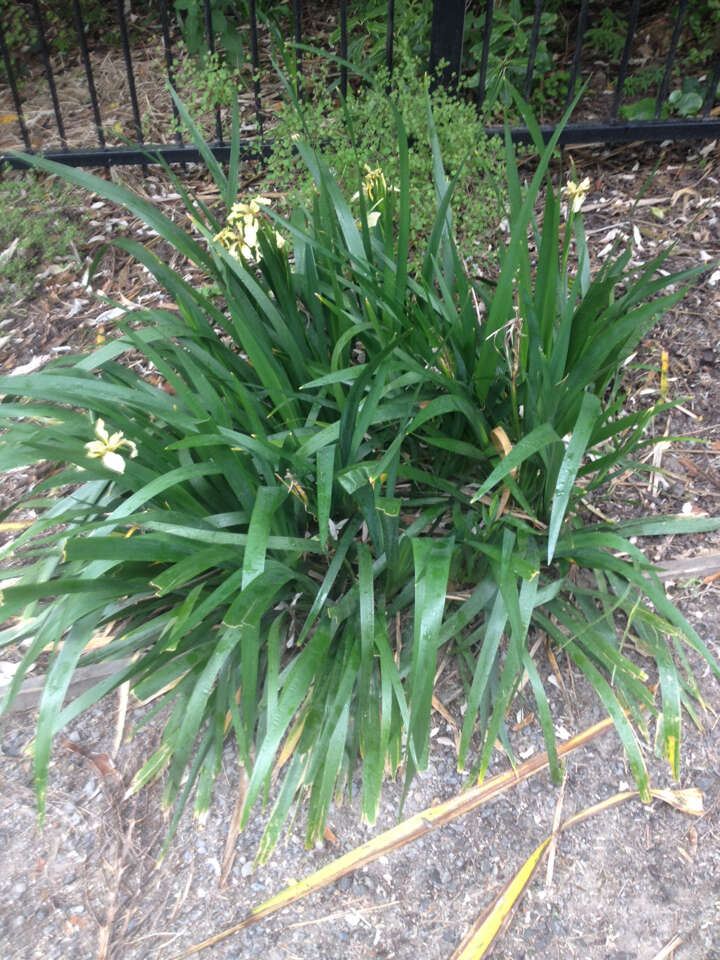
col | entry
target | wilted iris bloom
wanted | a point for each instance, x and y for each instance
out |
(373, 185)
(375, 191)
(240, 236)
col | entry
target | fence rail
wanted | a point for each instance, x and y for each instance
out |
(452, 25)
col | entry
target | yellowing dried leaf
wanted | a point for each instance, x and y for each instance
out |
(689, 800)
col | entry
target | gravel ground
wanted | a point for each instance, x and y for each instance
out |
(625, 882)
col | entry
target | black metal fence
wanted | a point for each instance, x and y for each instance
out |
(483, 44)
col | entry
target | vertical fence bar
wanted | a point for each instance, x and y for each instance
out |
(255, 57)
(343, 48)
(577, 56)
(14, 90)
(662, 92)
(297, 27)
(485, 53)
(210, 41)
(209, 32)
(45, 53)
(534, 39)
(446, 41)
(120, 12)
(80, 27)
(712, 87)
(620, 83)
(389, 35)
(169, 68)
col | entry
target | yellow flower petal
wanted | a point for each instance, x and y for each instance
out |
(113, 461)
(96, 448)
(576, 193)
(100, 431)
(106, 446)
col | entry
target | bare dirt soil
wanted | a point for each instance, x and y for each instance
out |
(640, 882)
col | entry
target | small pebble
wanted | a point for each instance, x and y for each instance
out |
(11, 746)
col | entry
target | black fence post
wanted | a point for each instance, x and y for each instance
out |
(343, 48)
(532, 52)
(577, 55)
(487, 33)
(210, 41)
(620, 82)
(80, 30)
(44, 51)
(662, 92)
(446, 41)
(255, 57)
(14, 89)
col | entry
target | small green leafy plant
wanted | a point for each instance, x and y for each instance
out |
(702, 32)
(208, 82)
(349, 470)
(365, 124)
(367, 31)
(228, 24)
(40, 220)
(509, 50)
(607, 34)
(686, 101)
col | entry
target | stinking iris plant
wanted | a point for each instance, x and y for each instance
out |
(325, 514)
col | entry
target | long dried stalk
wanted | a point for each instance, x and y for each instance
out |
(406, 832)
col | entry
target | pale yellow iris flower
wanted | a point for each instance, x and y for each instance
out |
(106, 447)
(576, 193)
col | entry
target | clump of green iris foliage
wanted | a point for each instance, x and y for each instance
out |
(290, 537)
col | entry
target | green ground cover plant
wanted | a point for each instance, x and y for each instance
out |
(364, 125)
(349, 470)
(208, 82)
(40, 220)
